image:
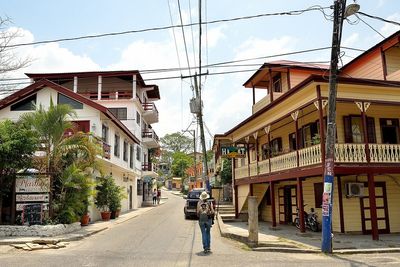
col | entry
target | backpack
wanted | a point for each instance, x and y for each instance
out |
(205, 212)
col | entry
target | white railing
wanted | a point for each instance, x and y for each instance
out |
(253, 169)
(241, 172)
(310, 155)
(263, 166)
(284, 162)
(384, 153)
(349, 153)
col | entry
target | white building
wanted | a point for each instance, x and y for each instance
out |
(114, 105)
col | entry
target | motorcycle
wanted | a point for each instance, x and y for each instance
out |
(310, 220)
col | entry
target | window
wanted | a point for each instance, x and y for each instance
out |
(318, 189)
(125, 152)
(138, 118)
(120, 113)
(104, 133)
(116, 146)
(264, 151)
(277, 83)
(392, 60)
(139, 187)
(276, 146)
(131, 156)
(292, 141)
(62, 99)
(309, 132)
(353, 129)
(389, 130)
(26, 104)
(138, 153)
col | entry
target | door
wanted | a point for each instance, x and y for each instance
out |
(390, 131)
(287, 204)
(381, 209)
(130, 197)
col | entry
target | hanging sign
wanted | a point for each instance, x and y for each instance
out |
(233, 152)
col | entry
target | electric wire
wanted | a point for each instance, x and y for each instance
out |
(191, 30)
(184, 41)
(288, 13)
(173, 33)
(370, 26)
(379, 18)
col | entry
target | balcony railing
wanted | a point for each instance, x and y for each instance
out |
(149, 106)
(344, 153)
(150, 134)
(109, 95)
(149, 167)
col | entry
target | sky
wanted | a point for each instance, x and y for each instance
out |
(225, 101)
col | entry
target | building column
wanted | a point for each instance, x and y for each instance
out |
(300, 204)
(75, 84)
(372, 206)
(271, 94)
(267, 130)
(99, 87)
(272, 198)
(295, 115)
(134, 86)
(340, 195)
(320, 105)
(256, 149)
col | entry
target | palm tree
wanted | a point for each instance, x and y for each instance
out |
(60, 151)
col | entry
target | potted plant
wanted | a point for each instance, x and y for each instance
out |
(85, 219)
(115, 200)
(103, 196)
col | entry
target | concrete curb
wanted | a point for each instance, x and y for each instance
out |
(288, 247)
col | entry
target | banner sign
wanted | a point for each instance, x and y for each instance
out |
(31, 184)
(233, 152)
(32, 197)
(20, 206)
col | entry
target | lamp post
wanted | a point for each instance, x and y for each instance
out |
(327, 198)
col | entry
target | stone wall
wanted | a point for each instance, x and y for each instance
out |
(38, 230)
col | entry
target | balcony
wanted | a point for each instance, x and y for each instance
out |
(150, 139)
(263, 102)
(150, 114)
(108, 95)
(149, 169)
(344, 153)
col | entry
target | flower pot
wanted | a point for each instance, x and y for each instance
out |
(113, 214)
(105, 215)
(85, 220)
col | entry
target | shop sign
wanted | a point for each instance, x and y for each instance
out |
(233, 152)
(32, 184)
(32, 197)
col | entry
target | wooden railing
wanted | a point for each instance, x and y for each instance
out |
(149, 133)
(344, 153)
(384, 153)
(109, 95)
(347, 153)
(149, 106)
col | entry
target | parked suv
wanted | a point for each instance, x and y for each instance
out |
(192, 199)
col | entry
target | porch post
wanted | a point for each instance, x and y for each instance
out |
(248, 158)
(133, 86)
(296, 123)
(257, 156)
(300, 204)
(372, 205)
(234, 187)
(321, 124)
(365, 131)
(236, 202)
(272, 197)
(271, 94)
(99, 87)
(254, 95)
(75, 88)
(340, 193)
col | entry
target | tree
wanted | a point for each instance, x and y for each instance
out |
(226, 173)
(176, 142)
(17, 145)
(181, 162)
(9, 61)
(60, 151)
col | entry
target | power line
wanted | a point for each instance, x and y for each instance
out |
(184, 40)
(288, 13)
(379, 18)
(370, 26)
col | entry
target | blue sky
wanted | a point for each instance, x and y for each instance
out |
(226, 102)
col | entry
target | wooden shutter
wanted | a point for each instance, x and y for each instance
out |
(348, 135)
(371, 130)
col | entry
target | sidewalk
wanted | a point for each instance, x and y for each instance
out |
(287, 238)
(85, 231)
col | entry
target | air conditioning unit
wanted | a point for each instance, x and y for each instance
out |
(354, 189)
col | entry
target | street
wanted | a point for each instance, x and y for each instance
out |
(162, 237)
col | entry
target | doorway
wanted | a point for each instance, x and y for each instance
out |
(287, 204)
(390, 131)
(130, 197)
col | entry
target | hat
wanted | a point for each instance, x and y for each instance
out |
(204, 195)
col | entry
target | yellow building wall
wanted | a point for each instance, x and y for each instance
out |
(243, 192)
(370, 67)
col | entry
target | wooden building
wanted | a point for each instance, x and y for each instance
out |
(285, 137)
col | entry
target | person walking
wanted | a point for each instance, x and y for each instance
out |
(205, 212)
(155, 196)
(158, 196)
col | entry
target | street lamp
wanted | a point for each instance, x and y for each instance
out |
(340, 13)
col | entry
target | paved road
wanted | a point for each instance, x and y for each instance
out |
(162, 237)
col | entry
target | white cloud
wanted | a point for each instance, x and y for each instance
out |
(352, 40)
(389, 28)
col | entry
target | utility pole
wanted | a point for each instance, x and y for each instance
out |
(200, 114)
(327, 199)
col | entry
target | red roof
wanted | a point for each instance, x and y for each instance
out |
(37, 86)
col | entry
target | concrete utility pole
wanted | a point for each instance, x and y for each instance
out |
(327, 199)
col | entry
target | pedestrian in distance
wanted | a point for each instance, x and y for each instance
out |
(158, 196)
(155, 196)
(205, 212)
